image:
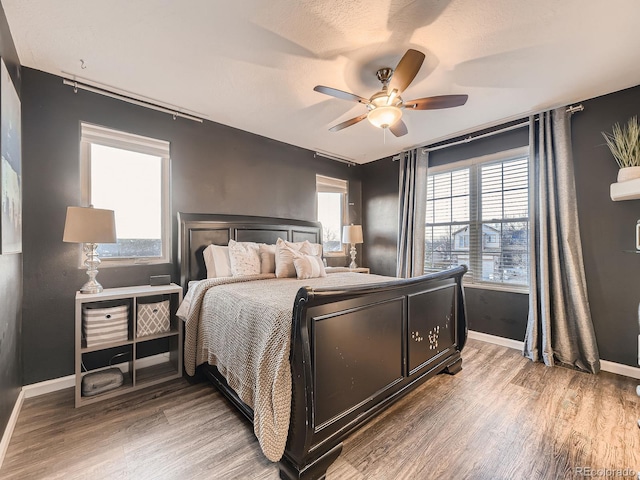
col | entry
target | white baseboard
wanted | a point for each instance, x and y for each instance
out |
(505, 342)
(605, 365)
(48, 386)
(620, 369)
(8, 431)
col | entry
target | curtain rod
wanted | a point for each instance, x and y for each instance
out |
(141, 103)
(330, 156)
(570, 109)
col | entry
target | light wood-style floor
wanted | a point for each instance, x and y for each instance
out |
(501, 417)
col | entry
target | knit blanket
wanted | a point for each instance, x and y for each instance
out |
(242, 325)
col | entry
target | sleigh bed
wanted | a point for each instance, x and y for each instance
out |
(354, 347)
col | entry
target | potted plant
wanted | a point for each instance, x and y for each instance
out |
(624, 143)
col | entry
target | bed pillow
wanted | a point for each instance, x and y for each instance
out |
(216, 261)
(267, 258)
(314, 249)
(284, 258)
(308, 266)
(245, 259)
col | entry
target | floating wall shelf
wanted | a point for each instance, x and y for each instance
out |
(629, 190)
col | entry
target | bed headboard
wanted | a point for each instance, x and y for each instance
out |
(199, 230)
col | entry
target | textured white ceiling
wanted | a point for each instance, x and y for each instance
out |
(252, 64)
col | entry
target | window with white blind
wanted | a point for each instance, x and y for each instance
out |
(478, 215)
(332, 212)
(129, 174)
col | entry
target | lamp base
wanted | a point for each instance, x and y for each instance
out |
(92, 262)
(92, 286)
(353, 264)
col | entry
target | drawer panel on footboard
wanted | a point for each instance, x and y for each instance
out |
(358, 353)
(432, 329)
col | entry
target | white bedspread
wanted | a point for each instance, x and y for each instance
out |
(243, 326)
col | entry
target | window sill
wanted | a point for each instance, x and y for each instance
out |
(130, 262)
(497, 288)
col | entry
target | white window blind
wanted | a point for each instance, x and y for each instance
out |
(478, 215)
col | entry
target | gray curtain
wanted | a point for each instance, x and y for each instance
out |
(559, 328)
(412, 211)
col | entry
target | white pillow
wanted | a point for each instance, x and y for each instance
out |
(245, 259)
(267, 258)
(308, 266)
(314, 249)
(217, 262)
(284, 258)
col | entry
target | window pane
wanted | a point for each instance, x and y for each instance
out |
(460, 209)
(442, 210)
(491, 206)
(482, 224)
(330, 215)
(460, 182)
(442, 185)
(130, 183)
(516, 204)
(429, 216)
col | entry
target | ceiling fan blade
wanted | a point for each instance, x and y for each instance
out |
(348, 123)
(399, 128)
(406, 71)
(433, 103)
(334, 92)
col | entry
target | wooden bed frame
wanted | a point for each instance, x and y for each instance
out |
(354, 350)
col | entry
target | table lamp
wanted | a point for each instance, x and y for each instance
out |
(352, 234)
(90, 226)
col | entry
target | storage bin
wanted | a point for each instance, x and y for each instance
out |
(153, 318)
(105, 324)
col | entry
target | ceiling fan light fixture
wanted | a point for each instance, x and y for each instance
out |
(384, 116)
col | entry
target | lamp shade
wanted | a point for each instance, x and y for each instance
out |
(89, 225)
(352, 234)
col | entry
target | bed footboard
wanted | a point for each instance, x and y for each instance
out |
(357, 350)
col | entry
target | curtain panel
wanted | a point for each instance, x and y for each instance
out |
(559, 328)
(412, 211)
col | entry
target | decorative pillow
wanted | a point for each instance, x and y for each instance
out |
(308, 266)
(245, 259)
(267, 258)
(284, 258)
(314, 249)
(217, 262)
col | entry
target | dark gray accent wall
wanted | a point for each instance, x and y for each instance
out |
(214, 169)
(10, 278)
(380, 216)
(607, 228)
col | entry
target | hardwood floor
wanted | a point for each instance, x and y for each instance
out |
(501, 417)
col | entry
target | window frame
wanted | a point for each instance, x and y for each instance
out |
(109, 137)
(326, 184)
(475, 217)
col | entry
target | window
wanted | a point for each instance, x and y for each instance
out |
(332, 210)
(129, 174)
(478, 215)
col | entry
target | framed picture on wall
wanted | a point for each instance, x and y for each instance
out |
(11, 172)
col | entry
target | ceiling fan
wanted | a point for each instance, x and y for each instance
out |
(385, 107)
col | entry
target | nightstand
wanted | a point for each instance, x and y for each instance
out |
(147, 350)
(347, 269)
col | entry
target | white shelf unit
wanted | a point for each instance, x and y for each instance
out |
(140, 369)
